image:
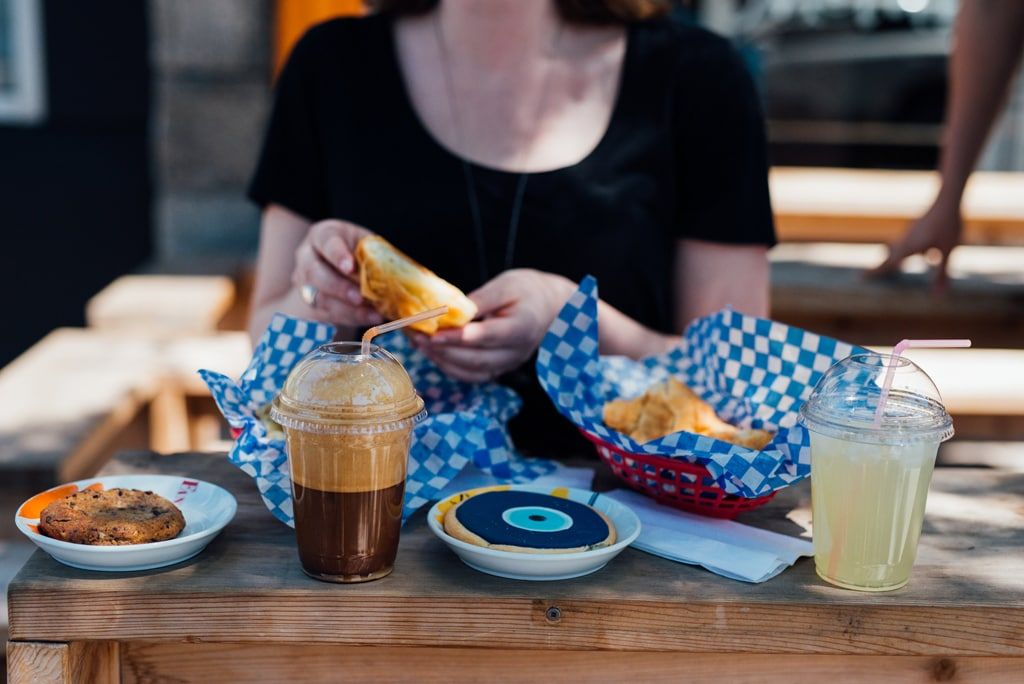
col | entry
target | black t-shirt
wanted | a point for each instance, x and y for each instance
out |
(683, 157)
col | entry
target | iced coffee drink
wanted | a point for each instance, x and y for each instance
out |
(348, 420)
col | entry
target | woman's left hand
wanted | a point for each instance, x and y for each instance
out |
(515, 310)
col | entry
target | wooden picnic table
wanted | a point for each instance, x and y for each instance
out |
(243, 610)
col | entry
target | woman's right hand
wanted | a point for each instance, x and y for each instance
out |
(326, 261)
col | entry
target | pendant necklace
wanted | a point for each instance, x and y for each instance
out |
(467, 167)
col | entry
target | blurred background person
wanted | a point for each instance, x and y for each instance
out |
(988, 43)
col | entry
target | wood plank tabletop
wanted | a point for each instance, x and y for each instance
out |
(966, 595)
(874, 205)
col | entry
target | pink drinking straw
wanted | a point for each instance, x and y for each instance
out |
(897, 351)
(400, 323)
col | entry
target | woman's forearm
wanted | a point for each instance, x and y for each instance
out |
(987, 35)
(624, 336)
(619, 334)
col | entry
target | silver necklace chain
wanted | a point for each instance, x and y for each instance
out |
(467, 168)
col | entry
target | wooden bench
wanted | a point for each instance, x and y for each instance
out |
(981, 388)
(821, 287)
(174, 304)
(851, 205)
(965, 453)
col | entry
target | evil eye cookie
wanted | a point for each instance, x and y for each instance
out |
(528, 522)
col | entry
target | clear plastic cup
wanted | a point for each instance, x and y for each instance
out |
(869, 482)
(348, 420)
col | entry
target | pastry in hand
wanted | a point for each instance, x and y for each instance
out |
(398, 287)
(671, 407)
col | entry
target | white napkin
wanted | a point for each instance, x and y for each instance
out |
(472, 477)
(724, 547)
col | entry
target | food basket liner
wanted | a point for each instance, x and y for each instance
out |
(753, 371)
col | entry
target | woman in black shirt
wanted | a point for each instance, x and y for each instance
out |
(514, 146)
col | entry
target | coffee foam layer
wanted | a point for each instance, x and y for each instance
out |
(348, 463)
(368, 384)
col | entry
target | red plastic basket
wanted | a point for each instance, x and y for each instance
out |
(686, 486)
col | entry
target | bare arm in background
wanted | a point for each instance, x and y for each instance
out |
(988, 37)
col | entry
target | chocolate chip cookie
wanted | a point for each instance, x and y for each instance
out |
(111, 517)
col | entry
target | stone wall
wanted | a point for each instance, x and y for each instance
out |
(211, 87)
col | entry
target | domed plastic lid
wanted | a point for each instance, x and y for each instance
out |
(337, 389)
(844, 402)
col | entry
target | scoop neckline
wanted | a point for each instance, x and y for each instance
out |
(624, 80)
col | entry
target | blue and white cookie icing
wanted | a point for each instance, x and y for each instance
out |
(532, 520)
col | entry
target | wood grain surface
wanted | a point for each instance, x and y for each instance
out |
(96, 662)
(187, 663)
(966, 595)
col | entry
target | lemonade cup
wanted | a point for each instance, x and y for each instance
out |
(869, 478)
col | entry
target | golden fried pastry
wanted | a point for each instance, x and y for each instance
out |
(111, 517)
(398, 287)
(671, 407)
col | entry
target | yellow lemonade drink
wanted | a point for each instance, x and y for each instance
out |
(868, 502)
(871, 464)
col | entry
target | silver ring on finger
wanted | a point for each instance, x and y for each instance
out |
(309, 294)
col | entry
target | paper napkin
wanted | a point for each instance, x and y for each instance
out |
(724, 547)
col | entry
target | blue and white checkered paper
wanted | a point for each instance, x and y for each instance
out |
(754, 372)
(465, 423)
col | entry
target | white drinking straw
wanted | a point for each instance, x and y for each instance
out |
(897, 351)
(400, 323)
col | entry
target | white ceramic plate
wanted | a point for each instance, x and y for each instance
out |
(207, 509)
(540, 566)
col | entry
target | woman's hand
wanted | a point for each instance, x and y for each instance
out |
(325, 260)
(516, 309)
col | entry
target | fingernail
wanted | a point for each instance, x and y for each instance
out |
(346, 265)
(355, 297)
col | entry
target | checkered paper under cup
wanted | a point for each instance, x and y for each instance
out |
(465, 423)
(754, 372)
